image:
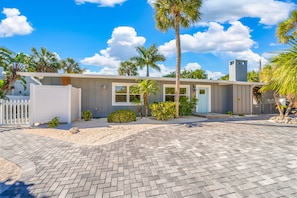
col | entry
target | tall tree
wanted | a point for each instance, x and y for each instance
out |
(253, 76)
(287, 29)
(281, 77)
(148, 57)
(44, 61)
(173, 14)
(146, 88)
(11, 63)
(69, 66)
(196, 74)
(226, 77)
(128, 68)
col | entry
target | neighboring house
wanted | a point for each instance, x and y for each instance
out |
(104, 94)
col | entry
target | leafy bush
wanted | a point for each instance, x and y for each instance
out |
(87, 115)
(229, 113)
(54, 122)
(163, 110)
(186, 105)
(120, 116)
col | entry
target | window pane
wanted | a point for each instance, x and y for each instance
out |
(169, 90)
(134, 97)
(169, 98)
(202, 91)
(132, 87)
(183, 91)
(121, 98)
(121, 89)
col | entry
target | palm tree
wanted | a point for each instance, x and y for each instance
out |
(146, 88)
(11, 63)
(173, 14)
(287, 29)
(148, 58)
(44, 61)
(280, 77)
(128, 68)
(253, 76)
(69, 66)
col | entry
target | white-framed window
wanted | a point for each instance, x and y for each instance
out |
(168, 92)
(121, 94)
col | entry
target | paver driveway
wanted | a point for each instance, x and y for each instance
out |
(250, 158)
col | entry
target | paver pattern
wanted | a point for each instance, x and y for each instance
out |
(250, 158)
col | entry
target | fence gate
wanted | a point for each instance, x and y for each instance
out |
(14, 112)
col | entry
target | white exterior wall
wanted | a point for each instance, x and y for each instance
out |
(47, 102)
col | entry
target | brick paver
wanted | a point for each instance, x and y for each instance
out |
(250, 158)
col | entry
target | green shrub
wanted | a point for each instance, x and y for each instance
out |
(163, 110)
(54, 122)
(120, 116)
(186, 105)
(229, 113)
(87, 115)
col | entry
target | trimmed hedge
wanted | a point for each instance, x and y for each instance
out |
(121, 116)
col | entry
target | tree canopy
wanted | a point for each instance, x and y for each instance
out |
(196, 74)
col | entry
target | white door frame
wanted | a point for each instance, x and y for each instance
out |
(209, 96)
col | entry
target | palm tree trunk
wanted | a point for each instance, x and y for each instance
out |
(178, 62)
(290, 106)
(145, 104)
(147, 71)
(278, 105)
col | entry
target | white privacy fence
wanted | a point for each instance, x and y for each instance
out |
(14, 112)
(49, 101)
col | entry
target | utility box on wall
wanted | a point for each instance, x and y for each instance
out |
(238, 70)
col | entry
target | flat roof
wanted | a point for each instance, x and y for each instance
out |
(220, 82)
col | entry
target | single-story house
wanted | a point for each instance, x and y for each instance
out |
(103, 94)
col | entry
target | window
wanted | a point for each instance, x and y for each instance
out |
(168, 92)
(121, 94)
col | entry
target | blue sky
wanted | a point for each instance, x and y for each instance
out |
(99, 34)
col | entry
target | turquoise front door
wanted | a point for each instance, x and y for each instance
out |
(203, 99)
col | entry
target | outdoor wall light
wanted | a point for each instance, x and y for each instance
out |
(104, 87)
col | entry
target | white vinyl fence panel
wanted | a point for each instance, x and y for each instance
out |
(14, 112)
(48, 101)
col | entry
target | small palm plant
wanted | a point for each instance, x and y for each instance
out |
(145, 88)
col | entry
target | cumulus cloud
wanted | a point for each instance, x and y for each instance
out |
(236, 38)
(121, 47)
(230, 10)
(14, 23)
(192, 66)
(214, 75)
(101, 3)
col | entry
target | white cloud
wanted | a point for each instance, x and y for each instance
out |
(121, 47)
(192, 66)
(99, 60)
(14, 23)
(101, 3)
(154, 73)
(123, 42)
(214, 75)
(236, 38)
(103, 71)
(270, 12)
